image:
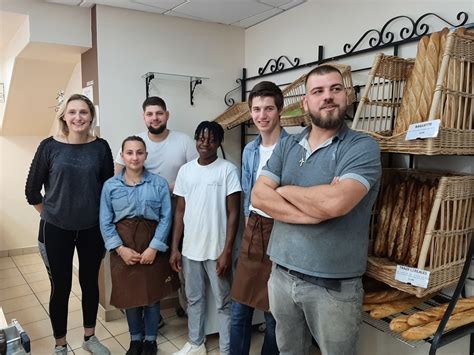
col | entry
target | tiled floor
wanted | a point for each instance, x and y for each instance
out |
(24, 295)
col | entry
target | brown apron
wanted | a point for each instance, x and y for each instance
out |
(254, 266)
(140, 285)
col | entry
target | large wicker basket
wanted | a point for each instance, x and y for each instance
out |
(448, 232)
(235, 115)
(452, 103)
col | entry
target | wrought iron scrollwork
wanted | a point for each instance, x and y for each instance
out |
(416, 29)
(276, 65)
(229, 101)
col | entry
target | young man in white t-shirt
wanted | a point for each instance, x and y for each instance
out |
(249, 288)
(208, 203)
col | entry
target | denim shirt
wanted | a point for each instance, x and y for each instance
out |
(250, 161)
(149, 199)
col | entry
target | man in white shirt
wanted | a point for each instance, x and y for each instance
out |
(207, 210)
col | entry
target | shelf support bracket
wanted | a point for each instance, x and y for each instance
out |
(192, 87)
(149, 77)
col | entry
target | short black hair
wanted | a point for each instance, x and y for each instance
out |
(213, 127)
(154, 101)
(133, 139)
(321, 70)
(267, 89)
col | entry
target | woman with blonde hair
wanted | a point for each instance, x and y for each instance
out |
(72, 167)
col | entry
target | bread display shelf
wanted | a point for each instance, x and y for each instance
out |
(446, 239)
(383, 324)
(380, 108)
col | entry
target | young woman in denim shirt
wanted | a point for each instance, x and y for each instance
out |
(135, 219)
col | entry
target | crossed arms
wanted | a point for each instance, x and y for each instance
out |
(307, 205)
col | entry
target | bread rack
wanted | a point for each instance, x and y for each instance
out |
(279, 69)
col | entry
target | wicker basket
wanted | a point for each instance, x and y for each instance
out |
(448, 232)
(236, 114)
(453, 101)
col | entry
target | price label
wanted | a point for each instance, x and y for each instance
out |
(427, 129)
(412, 276)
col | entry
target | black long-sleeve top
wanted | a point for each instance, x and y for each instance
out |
(72, 176)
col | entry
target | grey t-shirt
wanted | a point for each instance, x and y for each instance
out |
(72, 176)
(336, 248)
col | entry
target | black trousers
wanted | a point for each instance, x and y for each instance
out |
(57, 250)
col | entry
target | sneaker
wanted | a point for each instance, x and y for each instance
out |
(135, 348)
(94, 346)
(189, 348)
(149, 348)
(60, 350)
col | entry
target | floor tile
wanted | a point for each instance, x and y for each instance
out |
(116, 327)
(167, 348)
(43, 346)
(123, 339)
(29, 259)
(28, 269)
(11, 281)
(43, 296)
(9, 273)
(20, 303)
(36, 276)
(39, 329)
(74, 319)
(175, 327)
(28, 315)
(75, 337)
(6, 263)
(15, 291)
(168, 313)
(112, 344)
(40, 286)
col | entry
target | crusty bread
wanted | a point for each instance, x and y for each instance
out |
(404, 232)
(399, 200)
(385, 296)
(368, 307)
(427, 330)
(387, 309)
(380, 244)
(399, 324)
(435, 313)
(416, 227)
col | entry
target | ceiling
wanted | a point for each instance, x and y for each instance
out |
(9, 25)
(241, 13)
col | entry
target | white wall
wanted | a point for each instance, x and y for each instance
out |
(131, 43)
(332, 23)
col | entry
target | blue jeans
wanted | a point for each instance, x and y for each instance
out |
(143, 320)
(302, 309)
(241, 331)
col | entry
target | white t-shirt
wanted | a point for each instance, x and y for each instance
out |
(166, 157)
(205, 188)
(265, 154)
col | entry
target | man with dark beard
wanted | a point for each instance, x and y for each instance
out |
(319, 186)
(167, 150)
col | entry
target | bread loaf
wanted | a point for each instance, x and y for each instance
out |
(442, 47)
(395, 219)
(416, 227)
(387, 309)
(430, 75)
(435, 313)
(399, 324)
(368, 307)
(380, 244)
(385, 296)
(406, 221)
(427, 330)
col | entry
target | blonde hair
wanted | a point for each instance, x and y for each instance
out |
(63, 128)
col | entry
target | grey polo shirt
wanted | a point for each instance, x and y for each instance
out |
(336, 248)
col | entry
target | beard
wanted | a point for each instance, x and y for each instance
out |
(332, 121)
(158, 130)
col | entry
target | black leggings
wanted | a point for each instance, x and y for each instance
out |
(57, 250)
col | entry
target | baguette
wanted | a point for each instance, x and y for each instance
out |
(436, 313)
(399, 324)
(387, 309)
(416, 229)
(406, 221)
(385, 296)
(369, 307)
(427, 330)
(395, 219)
(380, 244)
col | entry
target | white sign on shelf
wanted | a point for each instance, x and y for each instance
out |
(427, 129)
(412, 276)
